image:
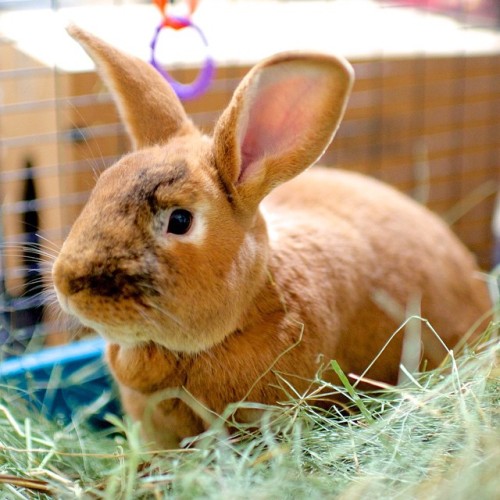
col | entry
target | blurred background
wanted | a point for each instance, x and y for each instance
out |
(424, 114)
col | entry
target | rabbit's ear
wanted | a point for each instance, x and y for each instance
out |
(280, 120)
(149, 107)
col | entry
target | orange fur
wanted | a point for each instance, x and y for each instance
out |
(242, 295)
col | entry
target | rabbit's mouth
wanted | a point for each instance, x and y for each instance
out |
(128, 323)
(124, 334)
(91, 315)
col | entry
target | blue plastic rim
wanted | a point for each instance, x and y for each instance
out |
(64, 380)
(76, 352)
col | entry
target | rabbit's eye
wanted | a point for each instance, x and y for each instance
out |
(180, 221)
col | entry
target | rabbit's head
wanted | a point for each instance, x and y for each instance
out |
(171, 246)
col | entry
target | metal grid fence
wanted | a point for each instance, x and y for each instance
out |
(429, 124)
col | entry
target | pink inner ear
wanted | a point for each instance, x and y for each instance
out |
(280, 112)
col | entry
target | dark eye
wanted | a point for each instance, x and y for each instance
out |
(180, 221)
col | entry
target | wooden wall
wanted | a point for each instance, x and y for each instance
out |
(430, 126)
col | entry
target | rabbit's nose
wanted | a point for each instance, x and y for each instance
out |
(109, 280)
(65, 278)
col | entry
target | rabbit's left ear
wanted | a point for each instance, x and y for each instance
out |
(148, 105)
(282, 117)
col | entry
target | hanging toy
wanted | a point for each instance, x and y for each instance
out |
(204, 78)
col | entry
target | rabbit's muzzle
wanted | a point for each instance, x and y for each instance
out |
(79, 288)
(114, 284)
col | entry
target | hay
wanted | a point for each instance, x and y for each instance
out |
(435, 437)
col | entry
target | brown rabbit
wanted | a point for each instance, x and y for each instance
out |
(204, 271)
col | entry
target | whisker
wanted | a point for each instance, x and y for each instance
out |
(24, 251)
(165, 312)
(62, 322)
(32, 266)
(24, 301)
(96, 162)
(147, 319)
(23, 243)
(32, 275)
(53, 245)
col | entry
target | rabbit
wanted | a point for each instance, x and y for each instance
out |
(495, 227)
(209, 264)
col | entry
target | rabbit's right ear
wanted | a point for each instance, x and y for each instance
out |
(280, 120)
(148, 105)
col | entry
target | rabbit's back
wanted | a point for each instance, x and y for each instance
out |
(370, 256)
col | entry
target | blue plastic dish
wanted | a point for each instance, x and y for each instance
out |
(64, 381)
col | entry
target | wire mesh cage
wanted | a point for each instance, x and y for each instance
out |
(424, 116)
